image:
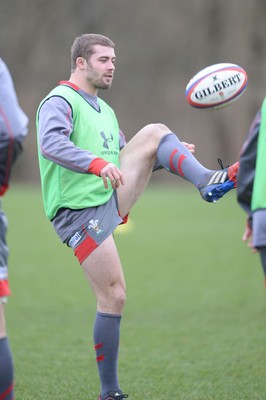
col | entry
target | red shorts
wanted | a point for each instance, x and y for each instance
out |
(4, 288)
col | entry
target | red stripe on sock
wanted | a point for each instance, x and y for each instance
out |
(179, 165)
(171, 159)
(98, 346)
(6, 392)
(98, 359)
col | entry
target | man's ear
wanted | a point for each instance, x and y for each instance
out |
(81, 62)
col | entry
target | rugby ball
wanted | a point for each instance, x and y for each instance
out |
(216, 86)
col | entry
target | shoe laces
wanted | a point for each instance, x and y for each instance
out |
(221, 163)
(232, 171)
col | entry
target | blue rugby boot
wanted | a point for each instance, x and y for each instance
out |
(220, 183)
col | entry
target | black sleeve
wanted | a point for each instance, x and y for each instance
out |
(8, 155)
(247, 166)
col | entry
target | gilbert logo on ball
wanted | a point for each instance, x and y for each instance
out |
(216, 86)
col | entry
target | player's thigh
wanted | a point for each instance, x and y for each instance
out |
(104, 272)
(2, 321)
(136, 163)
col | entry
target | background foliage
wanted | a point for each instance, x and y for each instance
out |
(159, 46)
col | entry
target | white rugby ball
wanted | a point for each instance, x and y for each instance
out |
(216, 86)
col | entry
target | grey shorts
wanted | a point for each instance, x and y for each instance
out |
(99, 223)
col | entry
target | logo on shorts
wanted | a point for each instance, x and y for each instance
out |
(74, 240)
(94, 224)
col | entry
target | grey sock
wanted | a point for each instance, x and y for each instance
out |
(106, 344)
(6, 370)
(177, 159)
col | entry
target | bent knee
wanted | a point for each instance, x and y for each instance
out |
(154, 132)
(156, 128)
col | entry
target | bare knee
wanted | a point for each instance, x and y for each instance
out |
(119, 295)
(156, 130)
(2, 322)
(113, 299)
(152, 134)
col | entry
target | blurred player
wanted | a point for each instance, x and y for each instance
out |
(252, 185)
(91, 179)
(13, 129)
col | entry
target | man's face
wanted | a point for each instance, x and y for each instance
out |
(99, 71)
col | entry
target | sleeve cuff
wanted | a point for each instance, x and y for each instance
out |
(97, 165)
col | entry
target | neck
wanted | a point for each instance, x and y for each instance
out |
(83, 85)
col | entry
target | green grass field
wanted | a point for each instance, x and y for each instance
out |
(194, 323)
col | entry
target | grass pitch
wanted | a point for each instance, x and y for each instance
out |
(194, 323)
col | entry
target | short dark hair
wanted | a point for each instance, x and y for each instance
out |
(83, 46)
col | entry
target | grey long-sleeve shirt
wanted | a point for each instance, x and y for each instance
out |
(13, 126)
(54, 132)
(55, 128)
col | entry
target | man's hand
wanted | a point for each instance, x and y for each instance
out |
(115, 176)
(189, 146)
(247, 237)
